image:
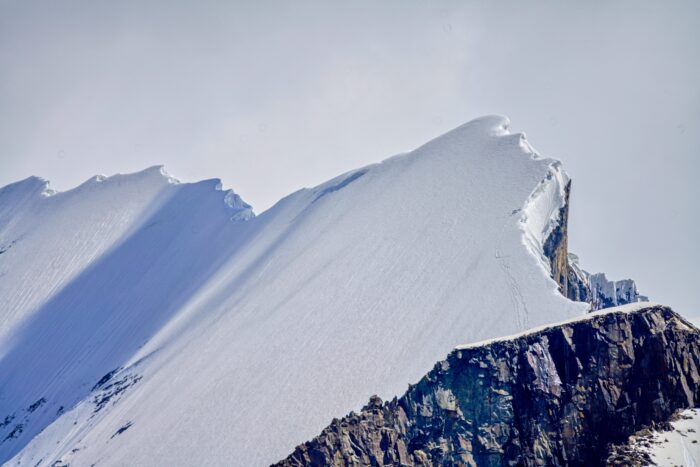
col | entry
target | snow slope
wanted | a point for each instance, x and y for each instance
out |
(678, 446)
(227, 339)
(681, 446)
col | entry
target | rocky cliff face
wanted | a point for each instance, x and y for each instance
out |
(577, 284)
(556, 396)
(556, 249)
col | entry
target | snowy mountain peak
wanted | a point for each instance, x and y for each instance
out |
(466, 137)
(155, 174)
(496, 125)
(159, 331)
(30, 186)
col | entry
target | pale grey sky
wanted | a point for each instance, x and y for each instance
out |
(274, 96)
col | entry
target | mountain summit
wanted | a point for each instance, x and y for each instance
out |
(147, 321)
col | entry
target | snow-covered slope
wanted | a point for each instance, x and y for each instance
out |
(674, 443)
(680, 446)
(220, 338)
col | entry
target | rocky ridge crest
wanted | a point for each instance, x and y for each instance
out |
(555, 396)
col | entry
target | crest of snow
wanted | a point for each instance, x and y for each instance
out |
(540, 216)
(241, 209)
(628, 308)
(260, 332)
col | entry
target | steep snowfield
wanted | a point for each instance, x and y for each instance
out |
(236, 337)
(88, 276)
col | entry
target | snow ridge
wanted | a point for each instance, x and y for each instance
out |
(379, 272)
(541, 213)
(622, 309)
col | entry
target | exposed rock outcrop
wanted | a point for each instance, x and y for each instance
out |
(556, 249)
(555, 396)
(577, 284)
(606, 293)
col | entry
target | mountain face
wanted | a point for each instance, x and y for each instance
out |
(557, 396)
(575, 283)
(146, 321)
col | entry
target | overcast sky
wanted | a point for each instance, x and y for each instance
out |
(274, 96)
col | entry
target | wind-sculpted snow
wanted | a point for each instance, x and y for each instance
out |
(252, 332)
(92, 274)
